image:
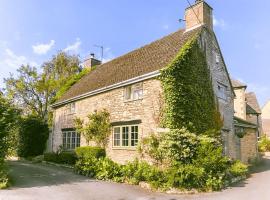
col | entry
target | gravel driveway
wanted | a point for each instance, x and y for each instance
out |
(39, 181)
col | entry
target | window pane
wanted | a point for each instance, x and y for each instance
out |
(128, 92)
(78, 140)
(125, 136)
(73, 140)
(116, 136)
(64, 140)
(134, 136)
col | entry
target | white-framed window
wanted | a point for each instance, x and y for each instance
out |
(222, 91)
(71, 139)
(133, 92)
(72, 108)
(125, 136)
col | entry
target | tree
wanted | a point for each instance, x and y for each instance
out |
(97, 128)
(32, 137)
(33, 92)
(8, 118)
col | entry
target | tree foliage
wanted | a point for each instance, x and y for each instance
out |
(32, 137)
(188, 92)
(9, 116)
(33, 91)
(97, 128)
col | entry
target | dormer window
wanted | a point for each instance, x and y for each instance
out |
(133, 92)
(222, 91)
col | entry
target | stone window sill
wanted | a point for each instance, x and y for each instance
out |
(125, 148)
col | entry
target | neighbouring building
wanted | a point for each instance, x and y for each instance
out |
(247, 121)
(129, 89)
(266, 119)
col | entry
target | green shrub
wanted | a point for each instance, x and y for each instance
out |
(87, 166)
(264, 144)
(186, 176)
(179, 145)
(3, 174)
(88, 151)
(51, 157)
(108, 170)
(68, 158)
(32, 137)
(238, 169)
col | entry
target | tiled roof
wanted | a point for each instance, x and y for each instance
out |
(240, 121)
(238, 84)
(253, 106)
(144, 60)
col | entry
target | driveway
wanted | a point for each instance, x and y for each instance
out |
(38, 181)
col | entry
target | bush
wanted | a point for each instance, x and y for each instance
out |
(51, 157)
(68, 158)
(179, 145)
(88, 151)
(264, 144)
(32, 137)
(238, 169)
(108, 170)
(186, 176)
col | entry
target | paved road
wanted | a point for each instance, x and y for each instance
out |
(40, 182)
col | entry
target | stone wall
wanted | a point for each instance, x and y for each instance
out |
(146, 110)
(249, 146)
(240, 103)
(219, 75)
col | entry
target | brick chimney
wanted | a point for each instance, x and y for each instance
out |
(199, 14)
(91, 61)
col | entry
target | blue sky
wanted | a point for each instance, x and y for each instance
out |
(32, 31)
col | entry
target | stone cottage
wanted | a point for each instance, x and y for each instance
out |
(129, 89)
(247, 121)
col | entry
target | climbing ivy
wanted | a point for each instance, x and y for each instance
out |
(74, 79)
(188, 92)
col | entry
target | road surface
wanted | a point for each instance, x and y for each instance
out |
(40, 182)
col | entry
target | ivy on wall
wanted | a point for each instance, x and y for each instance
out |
(188, 92)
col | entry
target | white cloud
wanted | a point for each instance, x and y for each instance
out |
(74, 47)
(43, 48)
(11, 60)
(219, 22)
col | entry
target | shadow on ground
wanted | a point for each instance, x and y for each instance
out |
(25, 174)
(263, 166)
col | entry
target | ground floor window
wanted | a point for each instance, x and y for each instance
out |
(71, 139)
(125, 136)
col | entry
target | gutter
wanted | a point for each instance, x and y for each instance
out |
(108, 88)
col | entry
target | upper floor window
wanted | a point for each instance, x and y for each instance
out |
(125, 136)
(222, 91)
(134, 92)
(72, 108)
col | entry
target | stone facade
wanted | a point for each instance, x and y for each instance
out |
(147, 110)
(249, 146)
(240, 103)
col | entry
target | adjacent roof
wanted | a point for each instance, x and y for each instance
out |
(243, 123)
(238, 84)
(253, 106)
(144, 60)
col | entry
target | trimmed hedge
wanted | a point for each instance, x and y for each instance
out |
(68, 158)
(88, 151)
